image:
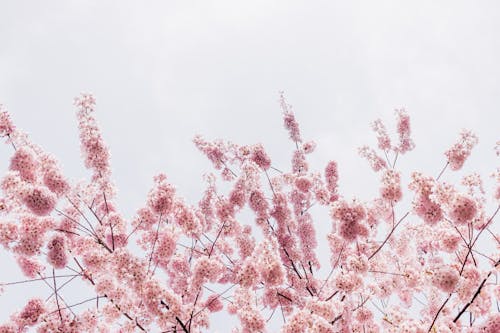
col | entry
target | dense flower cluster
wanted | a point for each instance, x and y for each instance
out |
(405, 261)
(459, 152)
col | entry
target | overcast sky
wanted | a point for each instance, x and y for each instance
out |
(163, 71)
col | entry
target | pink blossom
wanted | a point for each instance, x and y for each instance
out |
(55, 182)
(6, 125)
(145, 219)
(299, 163)
(349, 217)
(331, 176)
(246, 243)
(299, 322)
(32, 232)
(269, 266)
(309, 147)
(174, 264)
(260, 157)
(303, 184)
(186, 219)
(93, 149)
(31, 312)
(248, 275)
(8, 233)
(116, 240)
(237, 197)
(450, 240)
(214, 304)
(39, 200)
(214, 151)
(492, 324)
(8, 328)
(463, 209)
(364, 315)
(376, 162)
(289, 120)
(461, 150)
(403, 125)
(29, 266)
(391, 186)
(252, 320)
(445, 278)
(161, 197)
(25, 163)
(165, 249)
(384, 142)
(57, 256)
(259, 204)
(348, 282)
(206, 269)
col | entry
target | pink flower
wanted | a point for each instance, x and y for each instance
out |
(299, 164)
(39, 200)
(309, 147)
(391, 186)
(269, 266)
(303, 184)
(214, 304)
(186, 218)
(214, 151)
(428, 210)
(384, 142)
(6, 126)
(376, 162)
(57, 256)
(272, 273)
(96, 154)
(463, 209)
(116, 240)
(252, 320)
(404, 131)
(289, 120)
(262, 260)
(445, 278)
(161, 197)
(8, 233)
(450, 241)
(8, 328)
(349, 217)
(165, 249)
(246, 243)
(29, 266)
(55, 182)
(331, 176)
(237, 197)
(24, 162)
(260, 157)
(492, 324)
(31, 234)
(364, 315)
(461, 150)
(31, 313)
(258, 203)
(248, 274)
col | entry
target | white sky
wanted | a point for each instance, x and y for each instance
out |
(163, 71)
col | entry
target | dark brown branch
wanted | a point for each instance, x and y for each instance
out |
(57, 296)
(439, 311)
(478, 291)
(184, 328)
(389, 235)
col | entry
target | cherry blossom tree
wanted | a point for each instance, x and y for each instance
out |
(409, 260)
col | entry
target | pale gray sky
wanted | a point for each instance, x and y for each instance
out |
(163, 71)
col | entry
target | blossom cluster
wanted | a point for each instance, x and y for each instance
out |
(409, 260)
